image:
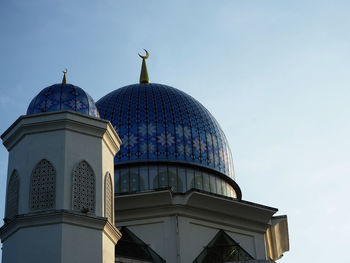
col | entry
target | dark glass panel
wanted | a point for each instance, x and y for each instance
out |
(190, 178)
(173, 178)
(219, 186)
(206, 182)
(181, 179)
(134, 179)
(163, 176)
(117, 181)
(124, 180)
(144, 178)
(153, 177)
(198, 180)
(224, 188)
(213, 184)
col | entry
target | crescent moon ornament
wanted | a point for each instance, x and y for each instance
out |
(144, 74)
(65, 72)
(144, 57)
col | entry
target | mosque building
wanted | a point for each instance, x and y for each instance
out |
(143, 175)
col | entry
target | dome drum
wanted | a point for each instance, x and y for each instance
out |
(140, 177)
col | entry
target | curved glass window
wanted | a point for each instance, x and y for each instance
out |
(181, 173)
(198, 180)
(173, 180)
(212, 184)
(190, 178)
(124, 180)
(163, 176)
(153, 177)
(180, 179)
(206, 182)
(143, 178)
(134, 179)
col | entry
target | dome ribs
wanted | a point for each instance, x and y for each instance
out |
(163, 124)
(156, 119)
(60, 97)
(162, 136)
(179, 135)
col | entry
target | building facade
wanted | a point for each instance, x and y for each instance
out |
(143, 175)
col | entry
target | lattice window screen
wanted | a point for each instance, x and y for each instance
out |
(43, 186)
(83, 188)
(109, 197)
(12, 196)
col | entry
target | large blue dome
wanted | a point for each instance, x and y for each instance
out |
(161, 124)
(61, 97)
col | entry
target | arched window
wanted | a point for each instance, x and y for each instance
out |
(12, 196)
(83, 198)
(109, 198)
(43, 186)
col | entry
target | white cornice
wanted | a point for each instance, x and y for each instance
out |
(59, 217)
(63, 120)
(112, 139)
(195, 205)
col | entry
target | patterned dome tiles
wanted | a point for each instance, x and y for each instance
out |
(160, 123)
(60, 97)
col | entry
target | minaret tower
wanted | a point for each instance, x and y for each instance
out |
(60, 184)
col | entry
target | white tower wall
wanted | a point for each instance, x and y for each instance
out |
(60, 233)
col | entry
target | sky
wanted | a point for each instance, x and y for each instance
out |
(275, 74)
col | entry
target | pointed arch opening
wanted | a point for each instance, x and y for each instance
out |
(43, 186)
(12, 196)
(109, 200)
(83, 195)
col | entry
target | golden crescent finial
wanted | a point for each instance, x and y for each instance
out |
(144, 73)
(64, 80)
(144, 57)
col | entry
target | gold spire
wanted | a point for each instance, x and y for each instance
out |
(64, 80)
(144, 73)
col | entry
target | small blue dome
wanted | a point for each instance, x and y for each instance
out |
(159, 123)
(60, 97)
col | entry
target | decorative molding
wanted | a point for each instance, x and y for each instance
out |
(54, 121)
(215, 209)
(109, 198)
(112, 140)
(52, 217)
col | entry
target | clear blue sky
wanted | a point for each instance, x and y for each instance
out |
(275, 74)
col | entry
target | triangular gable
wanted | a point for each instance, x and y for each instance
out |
(130, 246)
(222, 248)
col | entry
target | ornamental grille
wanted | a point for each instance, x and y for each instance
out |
(83, 188)
(12, 196)
(43, 186)
(109, 198)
